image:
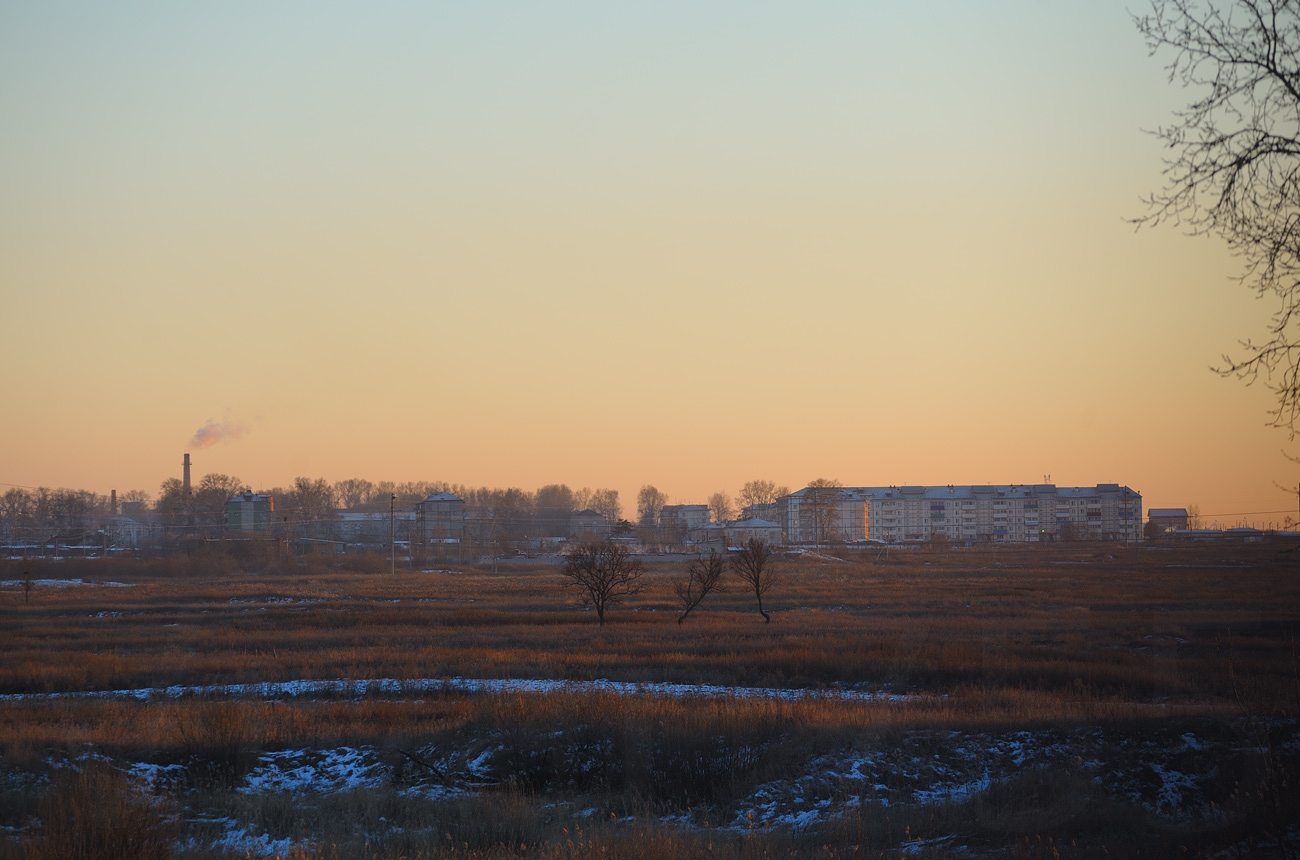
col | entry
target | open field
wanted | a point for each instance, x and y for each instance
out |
(1082, 700)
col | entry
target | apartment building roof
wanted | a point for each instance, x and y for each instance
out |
(442, 497)
(978, 491)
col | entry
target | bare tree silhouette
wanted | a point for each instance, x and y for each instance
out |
(1234, 167)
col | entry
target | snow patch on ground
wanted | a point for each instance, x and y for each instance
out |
(61, 583)
(237, 839)
(316, 771)
(393, 686)
(1173, 775)
(150, 775)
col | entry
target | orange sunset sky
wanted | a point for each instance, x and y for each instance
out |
(608, 245)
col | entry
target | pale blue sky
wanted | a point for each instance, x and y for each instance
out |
(280, 210)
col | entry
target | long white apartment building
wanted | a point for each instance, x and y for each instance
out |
(999, 513)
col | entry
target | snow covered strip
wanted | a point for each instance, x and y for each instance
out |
(60, 583)
(394, 686)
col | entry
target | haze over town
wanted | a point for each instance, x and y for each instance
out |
(610, 246)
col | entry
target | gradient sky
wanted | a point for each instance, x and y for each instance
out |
(610, 244)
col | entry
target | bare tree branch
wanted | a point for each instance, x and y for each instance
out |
(755, 564)
(703, 575)
(605, 573)
(1234, 171)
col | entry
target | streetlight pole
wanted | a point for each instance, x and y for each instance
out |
(392, 533)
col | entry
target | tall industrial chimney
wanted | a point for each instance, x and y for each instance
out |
(112, 504)
(185, 482)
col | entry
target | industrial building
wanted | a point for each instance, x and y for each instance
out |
(247, 512)
(440, 519)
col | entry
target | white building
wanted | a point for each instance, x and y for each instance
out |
(683, 518)
(722, 536)
(1006, 513)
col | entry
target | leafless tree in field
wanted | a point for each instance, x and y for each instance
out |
(313, 504)
(822, 500)
(720, 507)
(756, 565)
(605, 502)
(135, 497)
(703, 575)
(211, 496)
(1233, 168)
(353, 492)
(649, 502)
(553, 510)
(760, 492)
(604, 572)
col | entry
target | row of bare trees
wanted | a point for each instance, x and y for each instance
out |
(43, 510)
(307, 506)
(650, 501)
(606, 572)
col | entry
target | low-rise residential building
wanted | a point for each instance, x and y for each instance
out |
(374, 527)
(589, 525)
(130, 533)
(683, 517)
(677, 521)
(1163, 520)
(742, 531)
(722, 536)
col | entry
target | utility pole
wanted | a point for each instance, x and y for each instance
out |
(392, 533)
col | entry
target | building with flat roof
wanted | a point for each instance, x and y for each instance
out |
(997, 513)
(589, 525)
(440, 519)
(737, 533)
(683, 516)
(1163, 520)
(249, 512)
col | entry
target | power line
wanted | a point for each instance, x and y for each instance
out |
(1242, 513)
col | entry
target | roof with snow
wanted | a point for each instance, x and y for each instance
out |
(756, 523)
(443, 497)
(249, 496)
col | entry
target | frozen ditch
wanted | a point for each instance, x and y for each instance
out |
(61, 583)
(395, 686)
(1174, 775)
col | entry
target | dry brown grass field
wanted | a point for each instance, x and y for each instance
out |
(1077, 700)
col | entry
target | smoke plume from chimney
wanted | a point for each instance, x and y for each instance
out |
(213, 432)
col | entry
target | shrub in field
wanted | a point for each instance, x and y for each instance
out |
(225, 735)
(98, 813)
(667, 752)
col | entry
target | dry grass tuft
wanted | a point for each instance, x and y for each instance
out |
(98, 813)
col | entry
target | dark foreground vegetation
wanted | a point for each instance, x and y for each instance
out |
(1079, 701)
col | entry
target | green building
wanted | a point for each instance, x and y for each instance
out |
(250, 512)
